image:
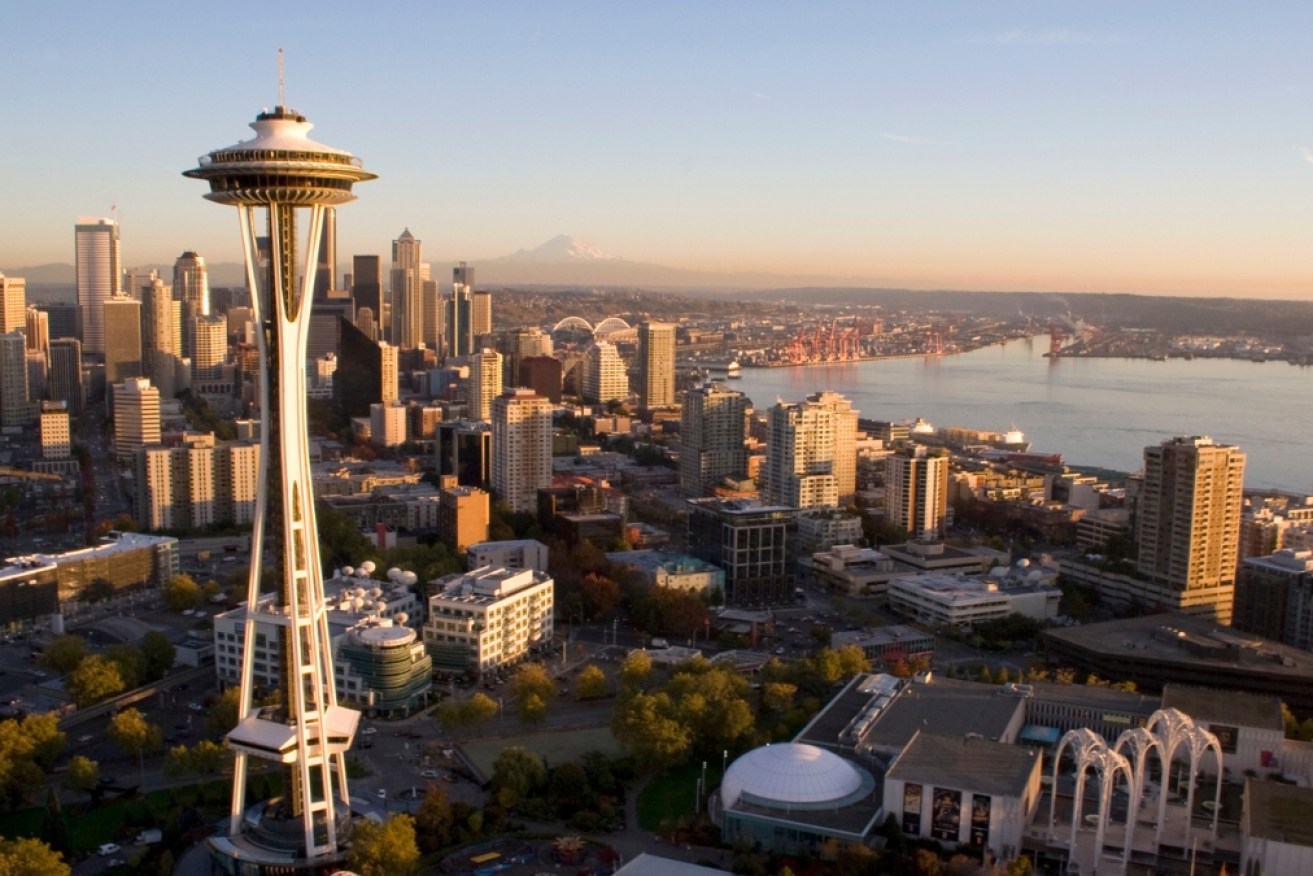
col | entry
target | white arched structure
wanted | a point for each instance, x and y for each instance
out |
(610, 326)
(573, 324)
(1089, 750)
(1174, 729)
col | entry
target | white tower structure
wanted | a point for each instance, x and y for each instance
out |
(282, 171)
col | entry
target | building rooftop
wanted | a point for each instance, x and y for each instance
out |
(1279, 812)
(1225, 706)
(948, 708)
(1185, 640)
(654, 865)
(967, 763)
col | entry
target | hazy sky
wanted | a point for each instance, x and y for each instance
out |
(1157, 147)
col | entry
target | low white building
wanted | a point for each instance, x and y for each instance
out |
(968, 791)
(855, 571)
(1276, 832)
(523, 553)
(964, 602)
(488, 618)
(379, 663)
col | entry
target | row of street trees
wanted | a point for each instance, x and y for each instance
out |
(90, 678)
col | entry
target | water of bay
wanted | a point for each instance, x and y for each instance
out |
(1096, 412)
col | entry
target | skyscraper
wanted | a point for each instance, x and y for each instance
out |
(407, 286)
(606, 378)
(66, 374)
(713, 425)
(191, 287)
(327, 258)
(521, 447)
(656, 365)
(485, 383)
(136, 417)
(15, 406)
(96, 242)
(1187, 522)
(211, 337)
(916, 492)
(13, 304)
(367, 290)
(811, 454)
(460, 335)
(121, 318)
(161, 337)
(480, 315)
(282, 170)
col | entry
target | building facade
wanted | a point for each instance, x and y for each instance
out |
(489, 618)
(656, 365)
(521, 447)
(99, 267)
(713, 426)
(1188, 519)
(811, 453)
(916, 492)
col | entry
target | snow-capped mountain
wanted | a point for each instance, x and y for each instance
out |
(562, 249)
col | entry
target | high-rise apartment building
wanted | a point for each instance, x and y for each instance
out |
(713, 425)
(389, 372)
(96, 242)
(916, 492)
(210, 335)
(656, 365)
(327, 257)
(407, 331)
(460, 337)
(15, 405)
(521, 447)
(606, 378)
(13, 304)
(388, 424)
(1187, 524)
(811, 454)
(176, 485)
(485, 383)
(463, 515)
(56, 436)
(488, 618)
(136, 417)
(434, 329)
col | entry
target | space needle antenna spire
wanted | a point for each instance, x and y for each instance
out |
(282, 82)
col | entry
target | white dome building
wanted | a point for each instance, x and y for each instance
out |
(794, 797)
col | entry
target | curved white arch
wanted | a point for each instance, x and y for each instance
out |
(573, 323)
(609, 326)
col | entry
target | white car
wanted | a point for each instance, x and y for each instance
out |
(108, 849)
(430, 774)
(382, 793)
(369, 731)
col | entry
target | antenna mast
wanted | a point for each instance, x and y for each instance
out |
(282, 98)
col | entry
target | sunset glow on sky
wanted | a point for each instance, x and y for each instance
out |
(1110, 146)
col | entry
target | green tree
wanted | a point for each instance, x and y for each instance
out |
(207, 757)
(636, 671)
(591, 683)
(852, 661)
(777, 696)
(95, 678)
(64, 653)
(177, 761)
(222, 714)
(1020, 866)
(133, 734)
(44, 738)
(132, 663)
(158, 653)
(31, 857)
(434, 820)
(645, 725)
(182, 593)
(531, 680)
(532, 709)
(517, 775)
(54, 827)
(82, 774)
(384, 849)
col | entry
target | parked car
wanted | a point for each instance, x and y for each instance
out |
(108, 849)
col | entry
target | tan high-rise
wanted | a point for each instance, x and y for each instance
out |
(1188, 521)
(811, 458)
(656, 364)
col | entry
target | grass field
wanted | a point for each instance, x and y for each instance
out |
(669, 798)
(555, 748)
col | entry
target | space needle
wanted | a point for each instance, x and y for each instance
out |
(271, 179)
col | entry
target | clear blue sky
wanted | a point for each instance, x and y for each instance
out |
(1094, 146)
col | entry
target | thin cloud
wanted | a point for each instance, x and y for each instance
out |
(1051, 37)
(1308, 155)
(761, 98)
(914, 141)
